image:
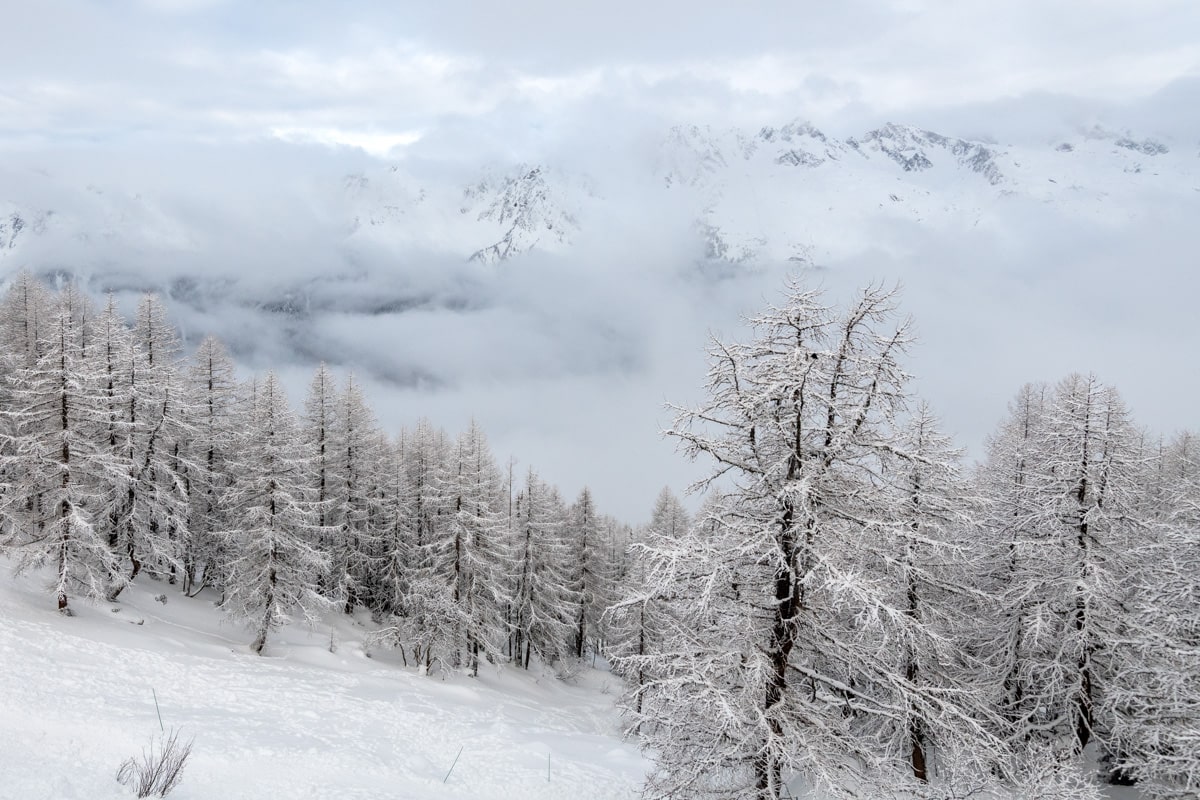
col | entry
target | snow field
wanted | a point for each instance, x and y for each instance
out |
(301, 722)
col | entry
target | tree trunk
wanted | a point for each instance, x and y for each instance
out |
(264, 627)
(916, 734)
(783, 637)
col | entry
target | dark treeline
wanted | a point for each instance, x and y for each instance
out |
(852, 609)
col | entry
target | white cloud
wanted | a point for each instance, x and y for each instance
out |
(380, 145)
(182, 6)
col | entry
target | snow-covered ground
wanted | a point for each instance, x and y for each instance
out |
(78, 698)
(301, 722)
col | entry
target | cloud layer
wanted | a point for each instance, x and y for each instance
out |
(390, 73)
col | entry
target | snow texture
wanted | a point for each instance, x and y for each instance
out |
(79, 698)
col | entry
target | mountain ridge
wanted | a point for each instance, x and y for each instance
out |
(785, 194)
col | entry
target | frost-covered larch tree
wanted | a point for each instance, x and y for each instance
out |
(355, 545)
(929, 560)
(211, 384)
(55, 419)
(424, 615)
(27, 307)
(430, 614)
(24, 309)
(545, 602)
(109, 351)
(1061, 483)
(593, 572)
(274, 566)
(389, 582)
(318, 437)
(156, 514)
(476, 527)
(1154, 694)
(781, 667)
(637, 622)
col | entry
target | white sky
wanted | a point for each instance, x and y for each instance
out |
(379, 73)
(224, 104)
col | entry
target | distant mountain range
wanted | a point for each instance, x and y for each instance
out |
(780, 194)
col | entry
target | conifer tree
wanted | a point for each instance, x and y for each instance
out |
(545, 602)
(766, 677)
(110, 353)
(389, 584)
(481, 549)
(427, 618)
(27, 308)
(151, 518)
(592, 575)
(1062, 479)
(1154, 694)
(355, 547)
(55, 419)
(639, 620)
(212, 386)
(317, 432)
(274, 566)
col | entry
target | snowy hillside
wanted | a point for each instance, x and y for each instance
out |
(302, 721)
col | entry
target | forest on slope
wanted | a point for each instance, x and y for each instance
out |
(851, 609)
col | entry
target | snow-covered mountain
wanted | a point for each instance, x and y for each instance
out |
(387, 238)
(781, 193)
(504, 213)
(794, 193)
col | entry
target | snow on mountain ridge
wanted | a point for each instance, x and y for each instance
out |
(909, 146)
(787, 193)
(532, 206)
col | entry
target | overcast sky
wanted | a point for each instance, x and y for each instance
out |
(235, 114)
(380, 74)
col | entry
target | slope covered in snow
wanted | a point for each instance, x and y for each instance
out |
(302, 721)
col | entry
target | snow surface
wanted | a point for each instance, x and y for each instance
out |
(79, 698)
(301, 722)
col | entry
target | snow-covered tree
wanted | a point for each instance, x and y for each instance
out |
(592, 569)
(1009, 484)
(929, 562)
(53, 463)
(110, 353)
(1154, 694)
(545, 602)
(156, 516)
(427, 618)
(274, 566)
(781, 665)
(638, 620)
(27, 307)
(1062, 482)
(389, 580)
(317, 434)
(477, 561)
(355, 546)
(24, 310)
(212, 386)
